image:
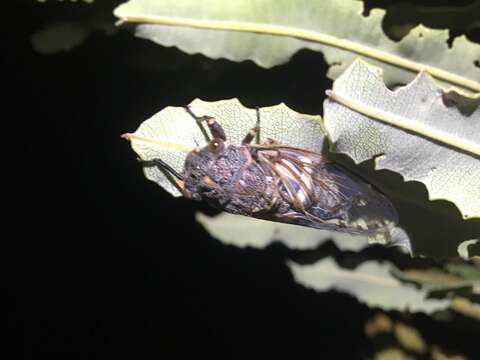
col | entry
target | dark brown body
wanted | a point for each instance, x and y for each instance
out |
(286, 184)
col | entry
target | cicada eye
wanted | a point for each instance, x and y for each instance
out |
(216, 145)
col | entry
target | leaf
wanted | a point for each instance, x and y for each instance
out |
(392, 354)
(393, 338)
(172, 133)
(468, 271)
(430, 277)
(455, 277)
(439, 280)
(464, 248)
(64, 36)
(59, 37)
(466, 307)
(439, 354)
(244, 231)
(380, 323)
(410, 338)
(269, 32)
(423, 133)
(371, 283)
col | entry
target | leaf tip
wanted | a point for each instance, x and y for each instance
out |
(127, 136)
(118, 11)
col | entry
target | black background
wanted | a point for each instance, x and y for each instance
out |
(103, 263)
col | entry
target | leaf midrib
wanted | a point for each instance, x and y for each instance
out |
(416, 127)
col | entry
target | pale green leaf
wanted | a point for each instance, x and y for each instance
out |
(391, 353)
(437, 279)
(371, 283)
(62, 36)
(466, 307)
(409, 338)
(59, 37)
(419, 131)
(172, 133)
(469, 271)
(464, 248)
(245, 231)
(269, 32)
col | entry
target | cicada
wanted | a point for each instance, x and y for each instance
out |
(280, 183)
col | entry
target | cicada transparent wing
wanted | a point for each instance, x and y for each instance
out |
(322, 194)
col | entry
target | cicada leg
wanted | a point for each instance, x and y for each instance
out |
(253, 133)
(250, 136)
(174, 177)
(215, 128)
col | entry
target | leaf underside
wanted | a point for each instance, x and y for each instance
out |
(244, 231)
(269, 32)
(421, 132)
(371, 282)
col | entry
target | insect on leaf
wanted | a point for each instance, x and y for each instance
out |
(171, 133)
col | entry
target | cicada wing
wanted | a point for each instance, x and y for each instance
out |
(325, 195)
(366, 209)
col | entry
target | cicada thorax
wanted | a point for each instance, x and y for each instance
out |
(229, 180)
(249, 191)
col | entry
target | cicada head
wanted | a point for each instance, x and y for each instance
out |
(208, 170)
